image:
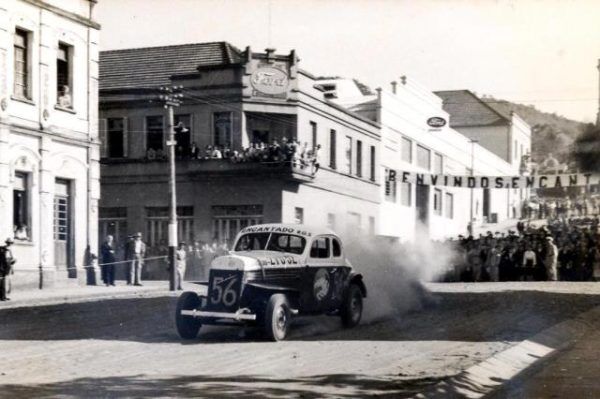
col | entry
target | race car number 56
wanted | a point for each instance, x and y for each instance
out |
(222, 290)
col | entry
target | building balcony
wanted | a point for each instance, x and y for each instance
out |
(126, 169)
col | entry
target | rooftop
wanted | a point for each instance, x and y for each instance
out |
(466, 109)
(150, 67)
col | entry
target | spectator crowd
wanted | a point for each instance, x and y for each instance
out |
(299, 155)
(564, 249)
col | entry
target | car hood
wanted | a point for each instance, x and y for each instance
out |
(257, 260)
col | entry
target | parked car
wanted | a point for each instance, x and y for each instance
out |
(274, 273)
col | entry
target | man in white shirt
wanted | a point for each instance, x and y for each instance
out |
(529, 264)
(136, 254)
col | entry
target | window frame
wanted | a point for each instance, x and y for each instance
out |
(359, 157)
(438, 204)
(333, 149)
(147, 132)
(214, 129)
(428, 152)
(406, 141)
(26, 205)
(327, 248)
(449, 205)
(25, 48)
(69, 52)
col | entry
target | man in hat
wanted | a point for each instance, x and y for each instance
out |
(136, 255)
(7, 261)
(551, 260)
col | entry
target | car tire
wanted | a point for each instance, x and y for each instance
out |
(187, 326)
(277, 317)
(352, 307)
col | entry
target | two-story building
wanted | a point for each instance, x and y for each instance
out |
(49, 152)
(236, 106)
(473, 139)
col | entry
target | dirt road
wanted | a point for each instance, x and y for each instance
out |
(129, 347)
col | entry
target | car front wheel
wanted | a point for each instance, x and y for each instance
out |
(187, 326)
(351, 310)
(277, 317)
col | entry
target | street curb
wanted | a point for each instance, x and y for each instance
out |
(489, 375)
(86, 297)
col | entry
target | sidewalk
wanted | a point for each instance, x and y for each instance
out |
(56, 296)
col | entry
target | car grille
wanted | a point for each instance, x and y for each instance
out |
(278, 276)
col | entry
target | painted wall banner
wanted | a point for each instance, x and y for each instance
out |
(269, 80)
(536, 181)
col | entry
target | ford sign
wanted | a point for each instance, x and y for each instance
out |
(269, 80)
(436, 121)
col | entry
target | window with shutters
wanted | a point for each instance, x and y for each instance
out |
(21, 80)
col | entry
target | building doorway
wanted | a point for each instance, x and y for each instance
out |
(486, 205)
(63, 227)
(422, 205)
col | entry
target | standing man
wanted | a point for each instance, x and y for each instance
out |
(7, 261)
(137, 253)
(108, 261)
(181, 256)
(551, 259)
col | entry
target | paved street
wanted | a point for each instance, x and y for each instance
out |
(128, 347)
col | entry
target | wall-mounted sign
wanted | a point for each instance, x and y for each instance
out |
(269, 80)
(436, 121)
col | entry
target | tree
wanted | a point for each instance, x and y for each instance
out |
(586, 149)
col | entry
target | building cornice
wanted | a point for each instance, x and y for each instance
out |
(67, 14)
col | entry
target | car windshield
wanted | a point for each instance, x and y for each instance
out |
(271, 242)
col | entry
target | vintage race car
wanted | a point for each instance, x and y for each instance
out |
(275, 272)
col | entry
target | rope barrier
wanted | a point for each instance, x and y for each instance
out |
(35, 268)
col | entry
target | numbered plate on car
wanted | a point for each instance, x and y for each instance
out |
(224, 288)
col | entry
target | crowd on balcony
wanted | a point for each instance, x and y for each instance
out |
(287, 151)
(565, 249)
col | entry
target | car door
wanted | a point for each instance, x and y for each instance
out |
(321, 273)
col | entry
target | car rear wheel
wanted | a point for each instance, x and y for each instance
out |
(351, 311)
(277, 317)
(187, 326)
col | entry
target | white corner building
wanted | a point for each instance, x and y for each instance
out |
(49, 150)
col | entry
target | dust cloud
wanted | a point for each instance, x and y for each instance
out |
(393, 272)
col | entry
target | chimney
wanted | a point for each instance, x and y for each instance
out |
(394, 84)
(270, 53)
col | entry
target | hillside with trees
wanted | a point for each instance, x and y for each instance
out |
(551, 133)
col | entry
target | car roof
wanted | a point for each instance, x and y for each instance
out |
(300, 229)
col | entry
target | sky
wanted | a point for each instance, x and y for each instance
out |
(539, 52)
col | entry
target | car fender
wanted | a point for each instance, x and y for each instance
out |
(357, 278)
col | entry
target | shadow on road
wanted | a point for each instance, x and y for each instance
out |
(343, 386)
(475, 317)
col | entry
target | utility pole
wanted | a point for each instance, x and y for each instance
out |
(472, 215)
(171, 96)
